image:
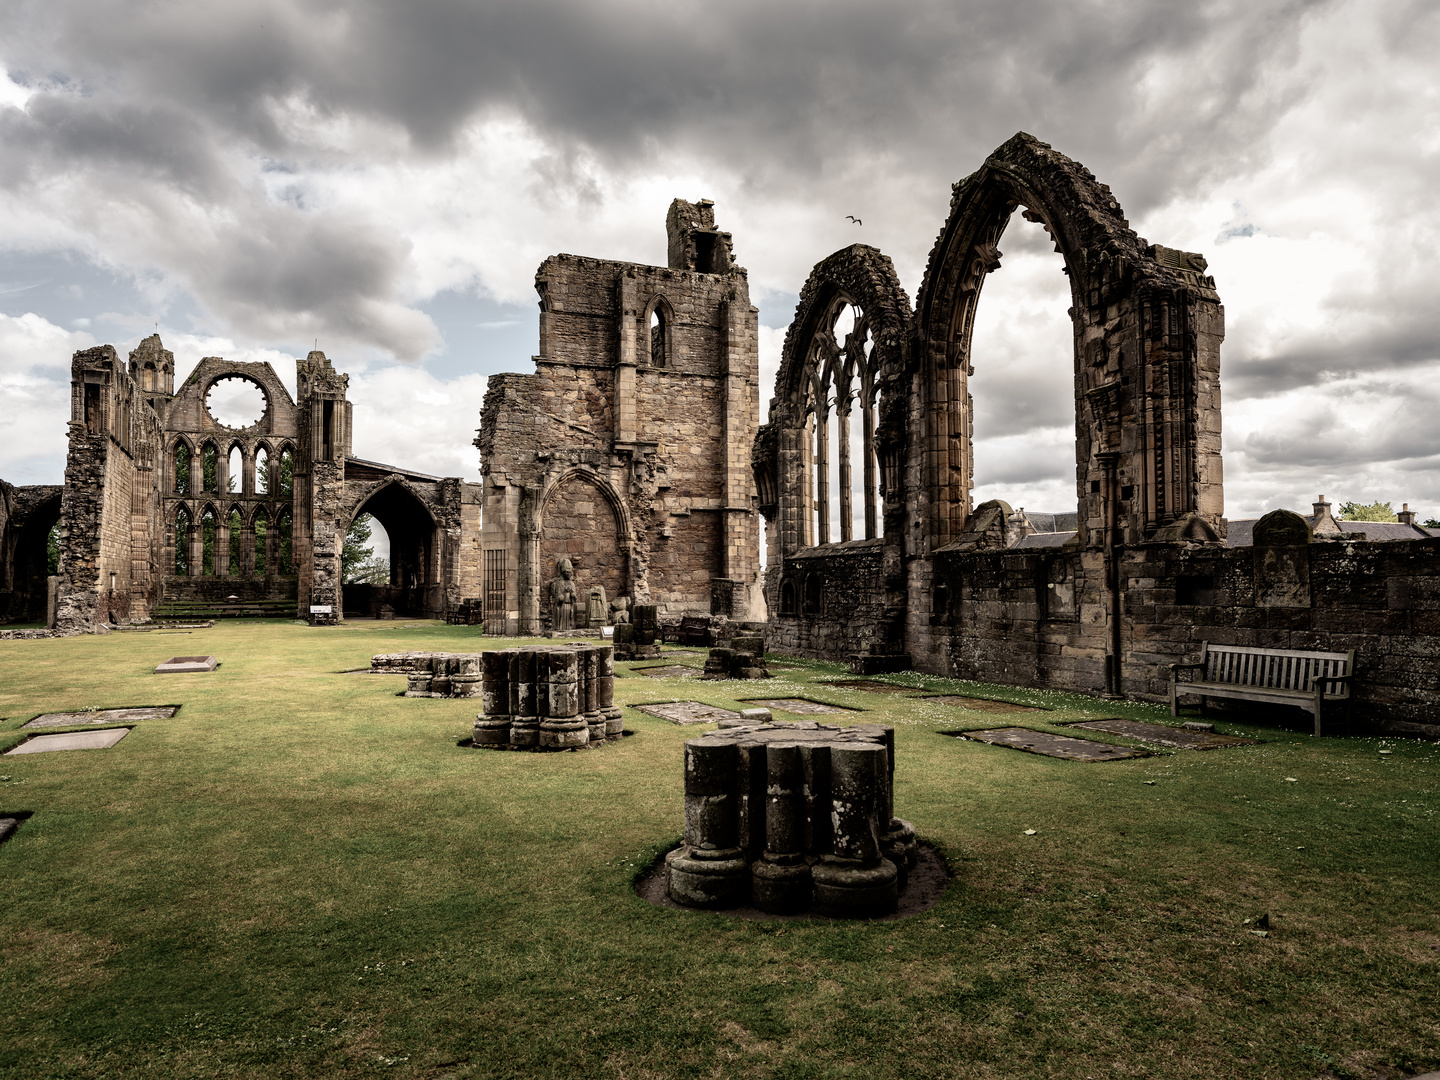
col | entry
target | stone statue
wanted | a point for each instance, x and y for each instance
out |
(620, 611)
(562, 596)
(595, 607)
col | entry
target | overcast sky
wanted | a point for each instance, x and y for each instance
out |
(384, 178)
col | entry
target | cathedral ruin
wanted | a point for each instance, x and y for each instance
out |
(630, 468)
(627, 451)
(164, 503)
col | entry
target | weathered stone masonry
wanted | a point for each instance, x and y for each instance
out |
(1145, 575)
(627, 450)
(147, 480)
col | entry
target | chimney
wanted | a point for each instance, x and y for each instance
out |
(1406, 516)
(1322, 523)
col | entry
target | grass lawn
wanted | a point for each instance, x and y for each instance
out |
(302, 874)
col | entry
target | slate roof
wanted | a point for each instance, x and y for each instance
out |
(1242, 533)
(1044, 539)
(1053, 523)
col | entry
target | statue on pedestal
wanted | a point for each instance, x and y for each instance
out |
(620, 611)
(562, 596)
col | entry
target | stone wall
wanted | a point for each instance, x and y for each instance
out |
(127, 489)
(627, 450)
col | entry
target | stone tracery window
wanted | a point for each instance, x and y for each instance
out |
(182, 535)
(262, 471)
(261, 527)
(182, 469)
(841, 408)
(208, 554)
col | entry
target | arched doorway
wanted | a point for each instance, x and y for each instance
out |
(413, 590)
(579, 522)
(30, 564)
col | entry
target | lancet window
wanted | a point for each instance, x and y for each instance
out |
(840, 407)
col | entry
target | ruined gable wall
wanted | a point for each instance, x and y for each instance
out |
(650, 418)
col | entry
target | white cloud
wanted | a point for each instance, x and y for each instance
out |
(35, 386)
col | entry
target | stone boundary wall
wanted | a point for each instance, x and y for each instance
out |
(999, 615)
(848, 580)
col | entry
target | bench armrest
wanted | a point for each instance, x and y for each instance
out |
(1182, 667)
(1329, 679)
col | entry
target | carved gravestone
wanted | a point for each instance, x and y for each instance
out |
(1281, 554)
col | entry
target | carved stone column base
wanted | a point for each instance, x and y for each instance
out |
(563, 734)
(780, 889)
(706, 883)
(849, 891)
(491, 731)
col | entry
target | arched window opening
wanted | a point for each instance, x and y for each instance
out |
(262, 551)
(237, 528)
(940, 602)
(235, 469)
(149, 382)
(842, 405)
(1021, 376)
(285, 484)
(209, 467)
(262, 472)
(182, 542)
(182, 469)
(787, 598)
(282, 545)
(812, 594)
(208, 528)
(657, 338)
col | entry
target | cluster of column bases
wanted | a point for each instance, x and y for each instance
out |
(790, 818)
(548, 697)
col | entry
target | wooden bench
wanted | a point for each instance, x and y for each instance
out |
(1310, 680)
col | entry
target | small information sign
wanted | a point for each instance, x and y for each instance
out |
(321, 609)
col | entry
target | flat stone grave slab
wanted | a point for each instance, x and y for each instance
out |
(71, 740)
(871, 686)
(688, 712)
(978, 704)
(670, 671)
(1164, 734)
(103, 716)
(179, 665)
(1057, 746)
(802, 706)
(680, 652)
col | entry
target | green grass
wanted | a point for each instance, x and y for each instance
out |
(301, 874)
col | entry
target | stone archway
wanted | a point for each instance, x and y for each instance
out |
(1147, 331)
(414, 550)
(579, 521)
(24, 583)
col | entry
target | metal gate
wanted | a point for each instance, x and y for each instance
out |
(496, 579)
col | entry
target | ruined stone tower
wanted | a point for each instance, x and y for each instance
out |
(627, 451)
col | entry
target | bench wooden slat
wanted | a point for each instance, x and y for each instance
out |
(1303, 677)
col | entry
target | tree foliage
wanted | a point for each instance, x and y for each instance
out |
(357, 558)
(1376, 511)
(52, 550)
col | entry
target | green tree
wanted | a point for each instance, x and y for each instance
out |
(357, 550)
(1432, 523)
(52, 550)
(1376, 511)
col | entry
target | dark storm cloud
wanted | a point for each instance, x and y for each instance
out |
(793, 86)
(177, 103)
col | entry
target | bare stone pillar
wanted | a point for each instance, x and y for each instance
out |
(605, 692)
(525, 667)
(847, 508)
(492, 726)
(709, 871)
(780, 880)
(589, 659)
(822, 473)
(854, 880)
(563, 726)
